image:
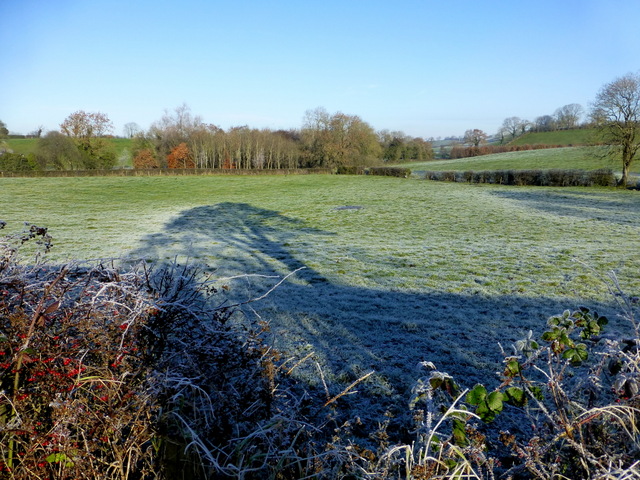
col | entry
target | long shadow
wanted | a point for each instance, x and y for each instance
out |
(621, 209)
(351, 329)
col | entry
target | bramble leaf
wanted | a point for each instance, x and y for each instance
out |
(494, 401)
(477, 395)
(516, 396)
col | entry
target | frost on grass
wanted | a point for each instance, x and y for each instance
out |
(383, 297)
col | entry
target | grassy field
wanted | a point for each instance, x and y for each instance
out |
(394, 272)
(585, 158)
(560, 137)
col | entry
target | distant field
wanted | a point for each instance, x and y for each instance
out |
(585, 158)
(560, 137)
(396, 271)
(22, 145)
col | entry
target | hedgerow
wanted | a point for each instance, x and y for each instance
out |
(545, 178)
(138, 372)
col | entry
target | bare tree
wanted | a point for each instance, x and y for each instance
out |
(475, 137)
(512, 125)
(616, 114)
(568, 117)
(544, 123)
(131, 129)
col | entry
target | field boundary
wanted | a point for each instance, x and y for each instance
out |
(162, 172)
(539, 178)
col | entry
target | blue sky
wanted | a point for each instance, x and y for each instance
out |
(429, 68)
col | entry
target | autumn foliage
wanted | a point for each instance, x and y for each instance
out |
(180, 157)
(145, 159)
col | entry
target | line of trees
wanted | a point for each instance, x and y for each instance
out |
(180, 139)
(566, 117)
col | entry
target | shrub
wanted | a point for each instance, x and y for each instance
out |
(554, 178)
(102, 377)
(390, 171)
(602, 178)
(350, 170)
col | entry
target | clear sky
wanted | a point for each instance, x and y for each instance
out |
(427, 67)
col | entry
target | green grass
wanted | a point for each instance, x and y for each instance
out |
(560, 137)
(585, 158)
(422, 271)
(22, 145)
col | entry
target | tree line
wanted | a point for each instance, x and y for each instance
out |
(180, 139)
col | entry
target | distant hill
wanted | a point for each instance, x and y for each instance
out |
(582, 158)
(567, 138)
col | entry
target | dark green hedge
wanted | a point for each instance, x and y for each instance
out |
(543, 178)
(390, 171)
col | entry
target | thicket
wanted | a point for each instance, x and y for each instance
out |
(143, 373)
(542, 178)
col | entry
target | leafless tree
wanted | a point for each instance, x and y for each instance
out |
(568, 117)
(475, 137)
(616, 113)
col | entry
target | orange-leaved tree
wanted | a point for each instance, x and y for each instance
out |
(145, 159)
(180, 157)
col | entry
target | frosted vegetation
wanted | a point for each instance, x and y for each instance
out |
(420, 271)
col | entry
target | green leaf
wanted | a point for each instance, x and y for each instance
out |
(551, 335)
(576, 355)
(435, 382)
(516, 396)
(565, 340)
(513, 368)
(477, 395)
(554, 321)
(537, 393)
(59, 458)
(494, 401)
(459, 433)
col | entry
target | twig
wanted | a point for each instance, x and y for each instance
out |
(346, 390)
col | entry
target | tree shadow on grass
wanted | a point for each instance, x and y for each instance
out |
(590, 205)
(351, 329)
